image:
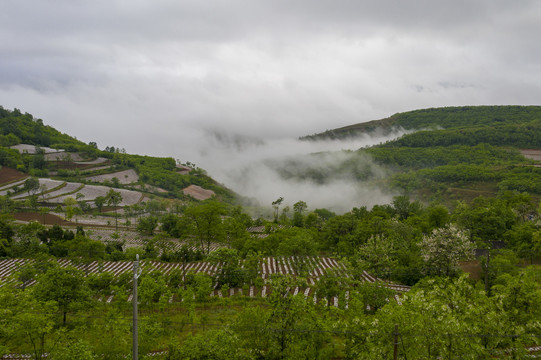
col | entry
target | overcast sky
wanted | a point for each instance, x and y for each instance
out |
(164, 77)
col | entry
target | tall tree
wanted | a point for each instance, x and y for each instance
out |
(276, 206)
(205, 223)
(113, 199)
(66, 286)
(443, 249)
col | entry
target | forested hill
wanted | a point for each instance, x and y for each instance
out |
(38, 150)
(465, 117)
(452, 153)
(18, 128)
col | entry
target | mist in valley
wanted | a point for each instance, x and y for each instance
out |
(325, 174)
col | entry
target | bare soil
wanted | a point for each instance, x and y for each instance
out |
(198, 192)
(8, 175)
(533, 154)
(124, 177)
(45, 219)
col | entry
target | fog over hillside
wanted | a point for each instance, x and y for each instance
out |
(251, 167)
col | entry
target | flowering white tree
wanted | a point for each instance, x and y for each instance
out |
(443, 249)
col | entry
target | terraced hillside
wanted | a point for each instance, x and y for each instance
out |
(319, 267)
(31, 147)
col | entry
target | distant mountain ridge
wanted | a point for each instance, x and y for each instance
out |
(437, 118)
(446, 154)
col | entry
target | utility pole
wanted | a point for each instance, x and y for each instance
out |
(136, 274)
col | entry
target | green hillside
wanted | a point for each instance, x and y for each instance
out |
(76, 161)
(18, 128)
(452, 153)
(439, 118)
(215, 283)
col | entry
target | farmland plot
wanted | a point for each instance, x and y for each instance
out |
(99, 160)
(97, 168)
(198, 192)
(124, 177)
(134, 239)
(9, 176)
(91, 192)
(69, 188)
(5, 189)
(130, 238)
(9, 266)
(31, 149)
(63, 156)
(47, 185)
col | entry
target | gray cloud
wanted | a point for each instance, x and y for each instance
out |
(158, 76)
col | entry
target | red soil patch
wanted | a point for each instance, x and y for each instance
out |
(198, 192)
(8, 175)
(45, 219)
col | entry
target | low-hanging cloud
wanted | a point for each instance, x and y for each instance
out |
(170, 78)
(266, 169)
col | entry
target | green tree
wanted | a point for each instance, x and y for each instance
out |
(443, 249)
(114, 198)
(27, 320)
(147, 225)
(293, 327)
(31, 185)
(99, 201)
(74, 349)
(276, 206)
(213, 344)
(298, 213)
(229, 272)
(69, 204)
(66, 286)
(205, 223)
(443, 318)
(170, 224)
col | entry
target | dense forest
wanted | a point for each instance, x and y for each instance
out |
(412, 279)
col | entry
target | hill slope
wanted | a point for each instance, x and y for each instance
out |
(455, 152)
(39, 150)
(438, 118)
